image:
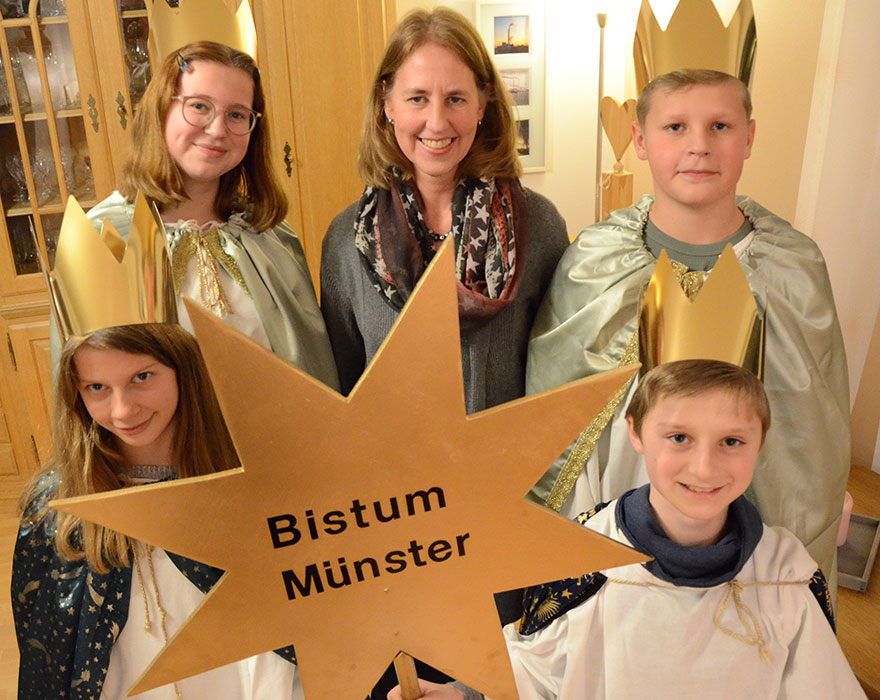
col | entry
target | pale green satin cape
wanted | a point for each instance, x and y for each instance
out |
(273, 266)
(588, 318)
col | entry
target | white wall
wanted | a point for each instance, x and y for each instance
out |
(840, 198)
(839, 203)
(573, 75)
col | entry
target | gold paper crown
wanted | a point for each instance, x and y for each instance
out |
(201, 20)
(695, 35)
(722, 323)
(99, 281)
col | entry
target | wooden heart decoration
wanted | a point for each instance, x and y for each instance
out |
(617, 121)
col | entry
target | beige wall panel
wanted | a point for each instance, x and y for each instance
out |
(785, 70)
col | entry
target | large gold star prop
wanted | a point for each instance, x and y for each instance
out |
(362, 526)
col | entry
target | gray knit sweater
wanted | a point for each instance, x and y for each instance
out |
(493, 355)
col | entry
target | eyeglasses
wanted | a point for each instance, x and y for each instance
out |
(200, 111)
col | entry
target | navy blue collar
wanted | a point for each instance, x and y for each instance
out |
(702, 566)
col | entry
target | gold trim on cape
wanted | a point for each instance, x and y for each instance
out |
(194, 243)
(691, 282)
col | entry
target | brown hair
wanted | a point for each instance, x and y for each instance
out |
(693, 377)
(86, 457)
(250, 187)
(682, 79)
(493, 153)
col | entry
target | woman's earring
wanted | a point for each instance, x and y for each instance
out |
(390, 121)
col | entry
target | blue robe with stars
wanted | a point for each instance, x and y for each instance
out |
(67, 616)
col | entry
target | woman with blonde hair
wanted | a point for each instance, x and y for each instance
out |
(133, 405)
(438, 158)
(200, 153)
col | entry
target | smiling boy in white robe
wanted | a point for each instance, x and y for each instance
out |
(728, 607)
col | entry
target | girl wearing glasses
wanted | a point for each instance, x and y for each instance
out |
(200, 152)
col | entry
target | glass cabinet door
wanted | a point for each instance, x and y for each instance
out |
(44, 143)
(135, 35)
(121, 29)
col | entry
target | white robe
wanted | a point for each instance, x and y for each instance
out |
(263, 677)
(648, 638)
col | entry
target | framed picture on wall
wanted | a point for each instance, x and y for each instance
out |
(517, 81)
(514, 36)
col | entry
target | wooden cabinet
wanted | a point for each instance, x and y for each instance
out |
(72, 74)
(53, 143)
(120, 33)
(28, 384)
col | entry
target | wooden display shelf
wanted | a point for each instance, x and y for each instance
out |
(54, 19)
(858, 614)
(56, 207)
(59, 114)
(26, 21)
(42, 116)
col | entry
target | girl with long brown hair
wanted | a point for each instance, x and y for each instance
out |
(133, 405)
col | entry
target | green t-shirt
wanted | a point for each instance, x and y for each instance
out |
(694, 256)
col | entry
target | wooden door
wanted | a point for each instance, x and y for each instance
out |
(121, 32)
(8, 461)
(323, 62)
(272, 57)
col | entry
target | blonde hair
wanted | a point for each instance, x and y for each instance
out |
(86, 457)
(250, 187)
(682, 79)
(692, 377)
(493, 153)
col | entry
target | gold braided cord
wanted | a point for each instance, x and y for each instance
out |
(691, 282)
(753, 636)
(208, 251)
(137, 564)
(586, 441)
(162, 613)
